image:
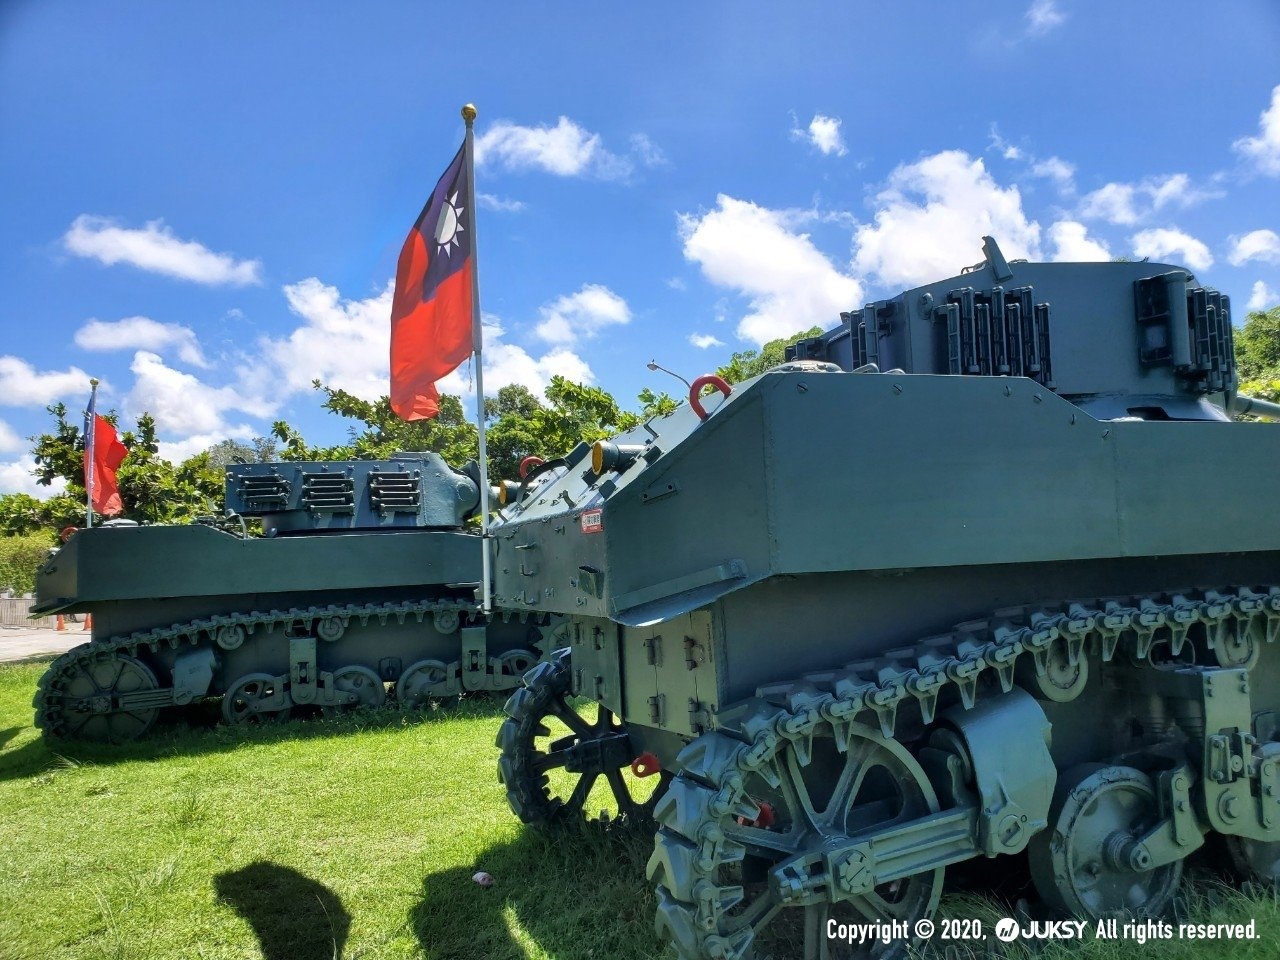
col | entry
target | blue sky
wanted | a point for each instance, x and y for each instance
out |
(203, 204)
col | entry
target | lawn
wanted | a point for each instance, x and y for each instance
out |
(354, 837)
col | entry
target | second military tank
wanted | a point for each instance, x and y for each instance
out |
(363, 585)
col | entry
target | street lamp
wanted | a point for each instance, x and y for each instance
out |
(654, 365)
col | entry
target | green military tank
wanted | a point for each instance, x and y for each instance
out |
(362, 586)
(985, 571)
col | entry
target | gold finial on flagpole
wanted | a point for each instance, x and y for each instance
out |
(93, 381)
(469, 113)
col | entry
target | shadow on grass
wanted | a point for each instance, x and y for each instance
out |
(293, 916)
(195, 731)
(571, 893)
(7, 735)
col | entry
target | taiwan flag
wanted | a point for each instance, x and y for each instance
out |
(431, 311)
(100, 474)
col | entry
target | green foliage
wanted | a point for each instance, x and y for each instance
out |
(749, 363)
(20, 556)
(1258, 348)
(226, 452)
(152, 490)
(19, 514)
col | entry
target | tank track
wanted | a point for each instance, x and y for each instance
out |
(333, 619)
(708, 795)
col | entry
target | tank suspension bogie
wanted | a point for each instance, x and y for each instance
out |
(112, 689)
(858, 786)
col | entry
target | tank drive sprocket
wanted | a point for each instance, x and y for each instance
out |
(741, 831)
(544, 733)
(98, 694)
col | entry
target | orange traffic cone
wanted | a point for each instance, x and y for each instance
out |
(62, 624)
(88, 622)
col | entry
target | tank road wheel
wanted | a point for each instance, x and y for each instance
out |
(79, 697)
(739, 857)
(1254, 859)
(1088, 863)
(256, 698)
(514, 664)
(552, 756)
(363, 683)
(425, 681)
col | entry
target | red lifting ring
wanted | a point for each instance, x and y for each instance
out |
(527, 464)
(646, 765)
(695, 391)
(66, 533)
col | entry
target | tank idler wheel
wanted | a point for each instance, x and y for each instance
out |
(361, 682)
(81, 700)
(425, 681)
(552, 756)
(732, 856)
(256, 698)
(1088, 862)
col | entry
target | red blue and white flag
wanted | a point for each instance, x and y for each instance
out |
(432, 312)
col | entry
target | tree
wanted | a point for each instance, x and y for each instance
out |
(19, 514)
(226, 452)
(1257, 347)
(151, 488)
(749, 363)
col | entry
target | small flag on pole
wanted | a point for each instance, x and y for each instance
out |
(432, 310)
(102, 457)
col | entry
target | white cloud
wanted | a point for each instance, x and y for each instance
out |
(1264, 149)
(344, 343)
(823, 133)
(1261, 245)
(1007, 149)
(1057, 170)
(676, 283)
(1072, 243)
(1043, 16)
(21, 385)
(753, 250)
(647, 152)
(1127, 203)
(16, 477)
(1165, 242)
(932, 216)
(507, 363)
(141, 333)
(176, 451)
(1113, 203)
(490, 202)
(567, 150)
(704, 340)
(154, 248)
(582, 315)
(184, 405)
(9, 440)
(1263, 298)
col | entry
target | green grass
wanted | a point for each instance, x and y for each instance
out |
(356, 837)
(360, 833)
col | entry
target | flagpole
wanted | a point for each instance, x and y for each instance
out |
(477, 338)
(91, 431)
